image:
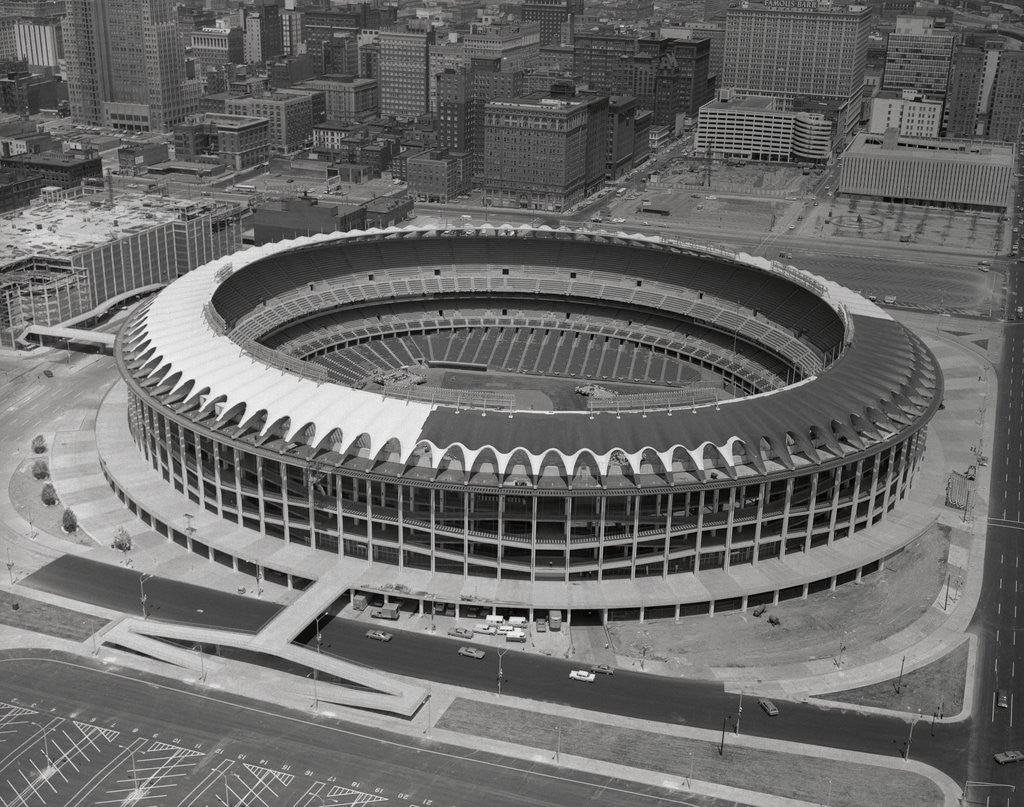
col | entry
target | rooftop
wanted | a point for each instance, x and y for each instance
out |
(760, 103)
(933, 148)
(69, 226)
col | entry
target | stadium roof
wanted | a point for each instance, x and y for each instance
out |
(884, 381)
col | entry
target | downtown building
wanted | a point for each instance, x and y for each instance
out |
(543, 153)
(81, 251)
(753, 128)
(404, 73)
(125, 64)
(940, 172)
(910, 112)
(986, 89)
(918, 57)
(788, 51)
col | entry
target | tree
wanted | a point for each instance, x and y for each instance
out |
(39, 444)
(70, 521)
(122, 541)
(49, 495)
(40, 469)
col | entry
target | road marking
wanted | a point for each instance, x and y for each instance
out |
(997, 635)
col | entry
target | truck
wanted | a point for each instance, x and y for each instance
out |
(389, 611)
(359, 602)
(555, 619)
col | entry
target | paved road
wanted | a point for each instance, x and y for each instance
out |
(112, 739)
(121, 589)
(999, 618)
(434, 658)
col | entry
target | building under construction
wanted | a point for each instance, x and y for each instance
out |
(73, 254)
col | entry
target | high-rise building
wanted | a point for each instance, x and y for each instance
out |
(552, 17)
(214, 47)
(290, 113)
(621, 135)
(404, 73)
(792, 51)
(544, 153)
(125, 65)
(602, 60)
(39, 41)
(319, 27)
(985, 92)
(918, 56)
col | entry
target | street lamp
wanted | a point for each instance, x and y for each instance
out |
(46, 742)
(910, 736)
(501, 672)
(142, 593)
(739, 714)
(721, 745)
(316, 694)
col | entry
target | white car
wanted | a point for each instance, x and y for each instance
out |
(582, 675)
(487, 630)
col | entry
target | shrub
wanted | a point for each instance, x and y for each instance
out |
(70, 521)
(49, 495)
(40, 469)
(122, 541)
(39, 444)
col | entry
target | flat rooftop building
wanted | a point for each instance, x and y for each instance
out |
(966, 174)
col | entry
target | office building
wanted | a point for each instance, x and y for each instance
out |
(236, 141)
(544, 153)
(320, 26)
(404, 74)
(986, 89)
(290, 113)
(754, 128)
(553, 18)
(438, 176)
(963, 174)
(125, 65)
(911, 113)
(18, 187)
(264, 38)
(462, 96)
(215, 47)
(61, 169)
(797, 51)
(621, 135)
(918, 57)
(346, 98)
(40, 42)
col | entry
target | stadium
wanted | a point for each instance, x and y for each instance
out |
(544, 418)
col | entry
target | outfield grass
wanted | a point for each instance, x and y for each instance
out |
(775, 772)
(52, 620)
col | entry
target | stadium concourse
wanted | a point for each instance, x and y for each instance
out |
(522, 418)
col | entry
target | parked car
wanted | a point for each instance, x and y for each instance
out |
(471, 652)
(484, 628)
(770, 708)
(1004, 757)
(461, 633)
(379, 635)
(603, 669)
(582, 675)
(1002, 699)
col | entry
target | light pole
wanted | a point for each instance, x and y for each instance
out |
(910, 736)
(501, 672)
(689, 780)
(46, 742)
(739, 714)
(142, 593)
(316, 695)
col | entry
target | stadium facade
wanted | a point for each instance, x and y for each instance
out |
(543, 409)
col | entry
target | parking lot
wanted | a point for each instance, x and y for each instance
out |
(81, 759)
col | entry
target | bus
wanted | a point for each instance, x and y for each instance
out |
(621, 192)
(245, 188)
